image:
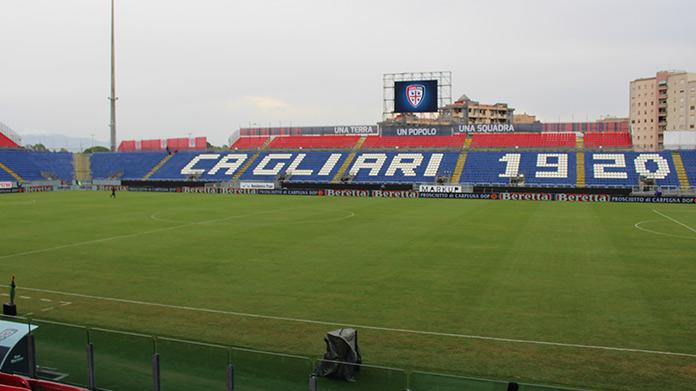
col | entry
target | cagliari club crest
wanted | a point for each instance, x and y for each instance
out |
(415, 94)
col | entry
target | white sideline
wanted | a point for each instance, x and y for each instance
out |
(368, 327)
(675, 221)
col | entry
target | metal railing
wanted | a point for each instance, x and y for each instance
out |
(103, 359)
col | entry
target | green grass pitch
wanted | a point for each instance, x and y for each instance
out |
(425, 275)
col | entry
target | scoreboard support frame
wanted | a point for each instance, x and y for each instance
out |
(444, 90)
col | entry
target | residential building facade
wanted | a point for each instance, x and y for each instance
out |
(664, 102)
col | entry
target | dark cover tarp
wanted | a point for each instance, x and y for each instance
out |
(342, 353)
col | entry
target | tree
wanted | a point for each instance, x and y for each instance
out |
(96, 148)
(38, 147)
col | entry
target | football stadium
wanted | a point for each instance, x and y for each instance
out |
(451, 245)
(482, 260)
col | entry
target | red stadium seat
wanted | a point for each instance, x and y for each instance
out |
(293, 142)
(174, 144)
(607, 140)
(414, 141)
(126, 146)
(525, 140)
(248, 142)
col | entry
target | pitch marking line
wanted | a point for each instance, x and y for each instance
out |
(675, 221)
(639, 225)
(43, 300)
(368, 327)
(171, 228)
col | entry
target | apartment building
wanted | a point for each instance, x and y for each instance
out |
(664, 102)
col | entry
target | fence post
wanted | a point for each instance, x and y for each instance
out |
(90, 367)
(31, 355)
(156, 372)
(312, 382)
(230, 377)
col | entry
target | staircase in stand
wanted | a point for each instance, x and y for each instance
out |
(9, 171)
(157, 167)
(467, 141)
(346, 163)
(580, 169)
(681, 172)
(82, 167)
(250, 161)
(580, 143)
(459, 167)
(265, 144)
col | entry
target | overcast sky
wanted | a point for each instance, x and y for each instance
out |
(207, 67)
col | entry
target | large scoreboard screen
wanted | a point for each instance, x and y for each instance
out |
(419, 96)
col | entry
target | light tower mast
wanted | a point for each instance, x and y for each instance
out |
(113, 98)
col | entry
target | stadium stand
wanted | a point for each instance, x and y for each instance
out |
(402, 167)
(689, 163)
(625, 169)
(123, 165)
(523, 140)
(296, 166)
(616, 125)
(453, 142)
(249, 142)
(318, 142)
(553, 168)
(204, 166)
(557, 169)
(174, 144)
(37, 166)
(5, 176)
(607, 140)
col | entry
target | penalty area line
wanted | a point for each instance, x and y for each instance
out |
(675, 221)
(367, 327)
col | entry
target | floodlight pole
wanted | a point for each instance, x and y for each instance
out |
(113, 98)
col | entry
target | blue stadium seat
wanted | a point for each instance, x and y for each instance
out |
(402, 167)
(4, 176)
(689, 160)
(58, 164)
(185, 164)
(132, 165)
(299, 166)
(33, 165)
(624, 169)
(538, 168)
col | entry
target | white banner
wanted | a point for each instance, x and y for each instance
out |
(6, 185)
(256, 185)
(440, 188)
